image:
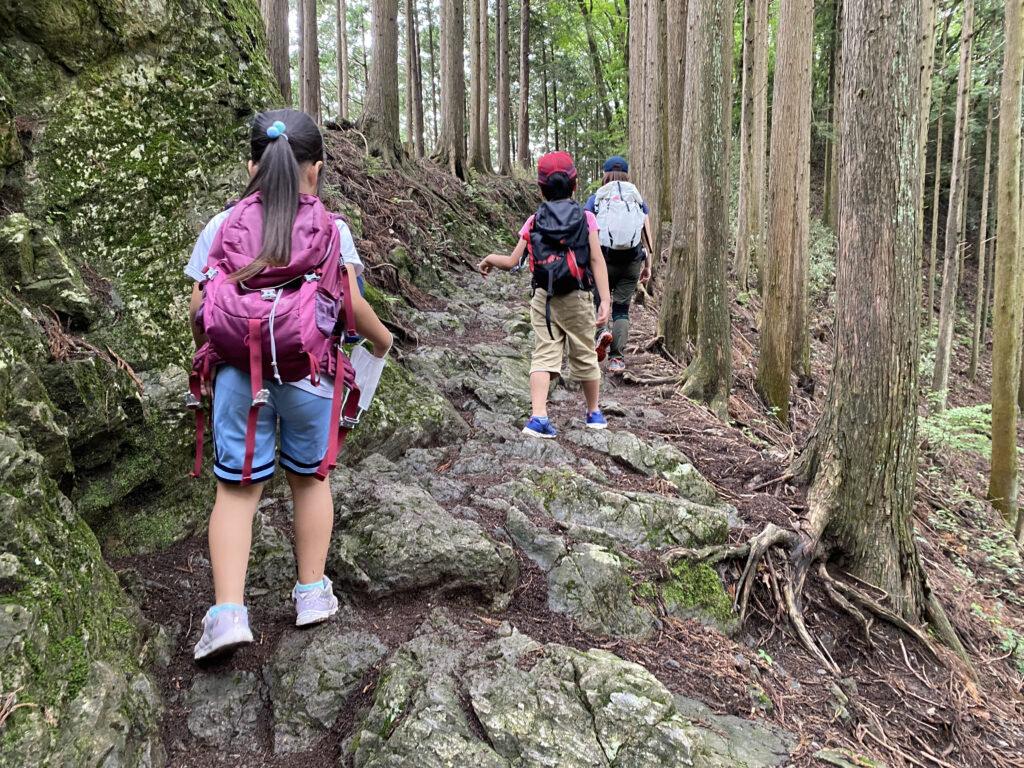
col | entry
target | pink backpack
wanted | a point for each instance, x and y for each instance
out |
(279, 324)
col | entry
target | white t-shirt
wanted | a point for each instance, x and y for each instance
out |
(201, 253)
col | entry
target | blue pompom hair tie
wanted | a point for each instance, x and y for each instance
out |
(277, 130)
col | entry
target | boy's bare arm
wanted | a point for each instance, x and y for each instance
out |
(193, 308)
(600, 272)
(502, 261)
(367, 322)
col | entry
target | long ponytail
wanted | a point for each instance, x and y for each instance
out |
(281, 141)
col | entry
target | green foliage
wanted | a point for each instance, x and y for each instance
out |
(966, 429)
(822, 272)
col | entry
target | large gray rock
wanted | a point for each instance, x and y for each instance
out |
(311, 677)
(545, 549)
(592, 585)
(739, 743)
(396, 538)
(635, 520)
(225, 708)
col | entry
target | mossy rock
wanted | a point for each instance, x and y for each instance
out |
(693, 590)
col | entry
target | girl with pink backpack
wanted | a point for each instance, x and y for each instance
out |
(274, 275)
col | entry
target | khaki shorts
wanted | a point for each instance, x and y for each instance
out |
(572, 325)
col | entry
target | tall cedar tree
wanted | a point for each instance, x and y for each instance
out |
(675, 92)
(379, 121)
(979, 301)
(677, 319)
(753, 136)
(830, 205)
(504, 91)
(1006, 304)
(275, 16)
(341, 27)
(927, 49)
(451, 144)
(310, 88)
(414, 77)
(957, 199)
(933, 244)
(862, 454)
(647, 93)
(524, 86)
(788, 207)
(709, 64)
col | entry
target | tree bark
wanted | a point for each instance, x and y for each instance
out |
(927, 50)
(310, 61)
(929, 305)
(451, 144)
(544, 81)
(485, 87)
(379, 121)
(524, 85)
(788, 207)
(302, 52)
(951, 265)
(753, 131)
(979, 301)
(341, 27)
(675, 93)
(504, 91)
(1006, 334)
(708, 377)
(435, 119)
(831, 207)
(862, 454)
(475, 158)
(275, 17)
(677, 319)
(414, 76)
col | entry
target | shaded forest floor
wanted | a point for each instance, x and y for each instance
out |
(896, 704)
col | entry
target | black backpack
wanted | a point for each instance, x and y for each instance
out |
(559, 249)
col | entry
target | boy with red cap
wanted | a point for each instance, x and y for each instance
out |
(564, 251)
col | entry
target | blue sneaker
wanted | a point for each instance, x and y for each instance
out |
(595, 420)
(225, 628)
(539, 427)
(314, 605)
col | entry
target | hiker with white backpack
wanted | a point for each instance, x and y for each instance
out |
(275, 273)
(625, 235)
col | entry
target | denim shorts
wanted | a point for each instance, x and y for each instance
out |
(304, 420)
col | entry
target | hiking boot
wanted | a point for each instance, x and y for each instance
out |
(616, 365)
(225, 628)
(604, 341)
(314, 605)
(539, 427)
(596, 421)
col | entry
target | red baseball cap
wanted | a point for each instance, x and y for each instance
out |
(555, 162)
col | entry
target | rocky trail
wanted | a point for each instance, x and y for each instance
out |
(505, 599)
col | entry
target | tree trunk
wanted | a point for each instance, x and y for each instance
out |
(310, 61)
(677, 319)
(302, 52)
(929, 305)
(927, 52)
(524, 85)
(675, 86)
(544, 81)
(831, 208)
(275, 17)
(504, 91)
(708, 377)
(554, 100)
(979, 301)
(451, 144)
(788, 209)
(363, 47)
(414, 76)
(1006, 334)
(951, 265)
(753, 130)
(862, 455)
(595, 67)
(485, 87)
(341, 26)
(433, 76)
(475, 157)
(379, 121)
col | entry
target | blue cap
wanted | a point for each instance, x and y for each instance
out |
(616, 163)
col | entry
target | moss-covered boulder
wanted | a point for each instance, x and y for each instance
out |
(71, 647)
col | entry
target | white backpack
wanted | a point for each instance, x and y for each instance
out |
(620, 215)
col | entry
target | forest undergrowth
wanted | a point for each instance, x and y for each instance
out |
(893, 701)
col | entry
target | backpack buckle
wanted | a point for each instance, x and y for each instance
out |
(260, 398)
(312, 277)
(268, 294)
(191, 401)
(348, 422)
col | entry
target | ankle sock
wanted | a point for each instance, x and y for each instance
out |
(310, 587)
(218, 608)
(541, 419)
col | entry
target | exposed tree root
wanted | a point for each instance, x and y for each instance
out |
(803, 550)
